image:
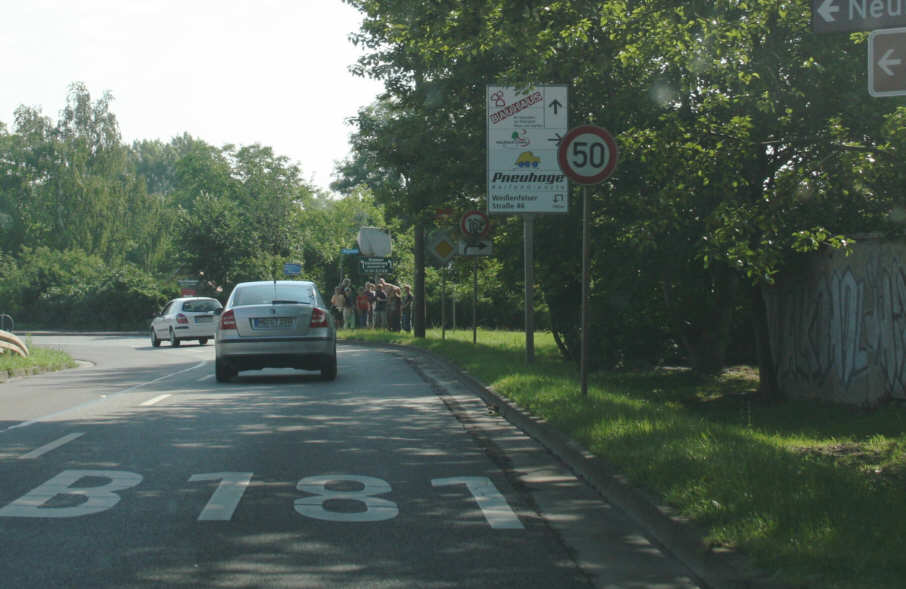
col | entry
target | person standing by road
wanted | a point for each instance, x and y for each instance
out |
(348, 304)
(387, 289)
(394, 306)
(372, 299)
(362, 306)
(406, 318)
(380, 308)
(338, 302)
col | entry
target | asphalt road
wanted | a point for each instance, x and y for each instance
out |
(140, 470)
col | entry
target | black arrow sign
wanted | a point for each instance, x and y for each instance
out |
(556, 105)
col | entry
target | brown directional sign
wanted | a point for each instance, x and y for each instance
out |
(887, 62)
(833, 16)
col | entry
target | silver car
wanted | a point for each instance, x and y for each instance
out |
(275, 324)
(185, 318)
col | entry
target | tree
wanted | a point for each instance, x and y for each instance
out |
(746, 139)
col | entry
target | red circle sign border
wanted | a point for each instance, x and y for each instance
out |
(487, 224)
(564, 148)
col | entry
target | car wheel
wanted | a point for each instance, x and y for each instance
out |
(329, 369)
(155, 341)
(173, 339)
(202, 341)
(223, 371)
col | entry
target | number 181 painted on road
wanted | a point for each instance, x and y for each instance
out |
(231, 486)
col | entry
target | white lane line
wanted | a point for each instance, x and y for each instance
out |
(204, 378)
(101, 400)
(51, 446)
(156, 399)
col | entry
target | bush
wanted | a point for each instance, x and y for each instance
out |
(71, 289)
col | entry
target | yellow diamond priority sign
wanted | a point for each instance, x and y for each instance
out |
(441, 245)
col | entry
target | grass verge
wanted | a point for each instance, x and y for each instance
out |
(38, 360)
(813, 493)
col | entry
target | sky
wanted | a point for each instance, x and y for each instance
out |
(273, 72)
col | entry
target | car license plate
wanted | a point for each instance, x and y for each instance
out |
(204, 319)
(272, 322)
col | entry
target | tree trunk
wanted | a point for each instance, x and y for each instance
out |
(768, 387)
(705, 333)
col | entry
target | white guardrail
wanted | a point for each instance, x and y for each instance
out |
(9, 341)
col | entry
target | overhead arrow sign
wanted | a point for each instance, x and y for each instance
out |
(887, 61)
(886, 74)
(827, 10)
(834, 16)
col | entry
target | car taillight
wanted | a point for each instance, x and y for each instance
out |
(228, 320)
(182, 319)
(318, 318)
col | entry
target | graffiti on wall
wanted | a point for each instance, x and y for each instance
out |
(845, 329)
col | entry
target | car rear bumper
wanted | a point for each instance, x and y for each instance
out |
(194, 331)
(253, 353)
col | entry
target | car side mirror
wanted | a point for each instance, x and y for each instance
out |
(218, 312)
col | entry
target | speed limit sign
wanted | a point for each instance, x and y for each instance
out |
(587, 154)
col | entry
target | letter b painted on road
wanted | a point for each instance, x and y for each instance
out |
(98, 498)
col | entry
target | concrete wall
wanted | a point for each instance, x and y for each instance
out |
(838, 325)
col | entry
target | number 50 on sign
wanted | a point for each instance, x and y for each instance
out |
(587, 154)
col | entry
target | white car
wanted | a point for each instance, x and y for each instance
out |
(186, 318)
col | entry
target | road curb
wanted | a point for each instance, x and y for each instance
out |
(716, 567)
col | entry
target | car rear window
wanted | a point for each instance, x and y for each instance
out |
(200, 306)
(267, 294)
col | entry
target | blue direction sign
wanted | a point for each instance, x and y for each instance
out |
(292, 269)
(834, 16)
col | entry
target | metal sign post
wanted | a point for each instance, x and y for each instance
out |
(475, 301)
(443, 302)
(587, 155)
(528, 243)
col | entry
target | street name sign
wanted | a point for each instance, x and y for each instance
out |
(524, 129)
(371, 265)
(834, 16)
(887, 62)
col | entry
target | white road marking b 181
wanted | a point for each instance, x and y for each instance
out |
(496, 510)
(99, 498)
(226, 497)
(154, 401)
(48, 447)
(376, 508)
(232, 485)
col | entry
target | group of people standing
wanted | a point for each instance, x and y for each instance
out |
(376, 306)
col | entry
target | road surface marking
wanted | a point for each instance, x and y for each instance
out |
(96, 401)
(226, 497)
(48, 447)
(155, 400)
(99, 497)
(492, 503)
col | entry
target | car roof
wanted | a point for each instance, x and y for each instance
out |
(279, 282)
(194, 299)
